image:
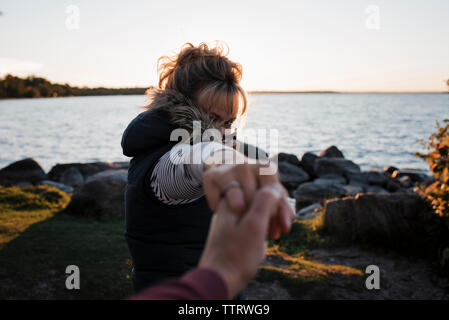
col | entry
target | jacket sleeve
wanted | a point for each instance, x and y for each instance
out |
(177, 177)
(198, 284)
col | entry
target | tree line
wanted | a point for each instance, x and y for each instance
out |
(36, 87)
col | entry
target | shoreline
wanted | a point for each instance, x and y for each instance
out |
(47, 168)
(248, 92)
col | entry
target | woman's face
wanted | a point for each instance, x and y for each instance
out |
(222, 117)
(219, 113)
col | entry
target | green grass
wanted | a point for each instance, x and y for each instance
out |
(304, 278)
(303, 235)
(38, 242)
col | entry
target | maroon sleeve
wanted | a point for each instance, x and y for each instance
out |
(198, 284)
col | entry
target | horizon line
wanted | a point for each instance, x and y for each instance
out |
(332, 91)
(268, 91)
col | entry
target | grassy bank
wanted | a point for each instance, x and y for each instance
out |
(290, 264)
(37, 243)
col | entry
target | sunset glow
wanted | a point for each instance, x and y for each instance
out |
(287, 45)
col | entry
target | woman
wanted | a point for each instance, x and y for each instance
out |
(167, 213)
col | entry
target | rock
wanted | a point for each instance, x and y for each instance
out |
(352, 190)
(72, 177)
(392, 185)
(60, 186)
(375, 178)
(309, 212)
(415, 175)
(311, 192)
(308, 162)
(390, 170)
(101, 195)
(393, 220)
(331, 152)
(289, 158)
(405, 181)
(26, 170)
(291, 176)
(330, 179)
(337, 166)
(357, 179)
(375, 189)
(86, 169)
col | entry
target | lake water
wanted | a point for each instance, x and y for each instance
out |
(374, 130)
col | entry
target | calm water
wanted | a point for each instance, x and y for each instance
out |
(374, 130)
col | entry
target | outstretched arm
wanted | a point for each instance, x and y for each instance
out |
(177, 177)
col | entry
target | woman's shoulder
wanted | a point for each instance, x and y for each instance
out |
(148, 130)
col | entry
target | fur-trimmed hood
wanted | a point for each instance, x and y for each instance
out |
(181, 109)
(168, 110)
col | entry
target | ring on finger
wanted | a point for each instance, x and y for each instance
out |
(232, 184)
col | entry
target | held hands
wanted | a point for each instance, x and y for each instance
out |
(238, 184)
(236, 245)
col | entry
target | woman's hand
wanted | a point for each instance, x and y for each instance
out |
(238, 184)
(236, 246)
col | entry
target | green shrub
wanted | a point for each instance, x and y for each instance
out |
(438, 192)
(438, 159)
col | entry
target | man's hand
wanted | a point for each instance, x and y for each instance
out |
(236, 245)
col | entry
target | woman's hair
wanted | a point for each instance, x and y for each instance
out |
(204, 75)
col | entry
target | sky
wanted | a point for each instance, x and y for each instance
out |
(347, 45)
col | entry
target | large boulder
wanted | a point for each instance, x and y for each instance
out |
(288, 157)
(308, 162)
(330, 179)
(357, 179)
(372, 180)
(26, 170)
(72, 177)
(352, 190)
(375, 189)
(400, 220)
(337, 166)
(86, 169)
(291, 176)
(101, 195)
(311, 192)
(331, 152)
(375, 178)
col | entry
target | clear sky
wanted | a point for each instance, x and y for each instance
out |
(353, 45)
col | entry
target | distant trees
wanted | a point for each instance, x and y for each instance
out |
(36, 87)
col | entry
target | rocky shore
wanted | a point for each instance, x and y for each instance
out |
(310, 180)
(97, 188)
(381, 207)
